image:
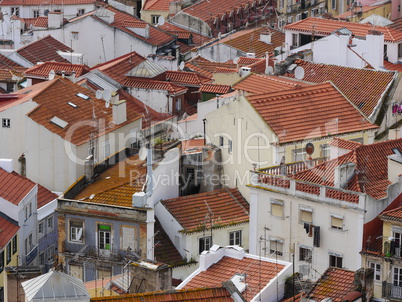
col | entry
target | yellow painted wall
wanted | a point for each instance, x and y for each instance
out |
(13, 262)
(384, 11)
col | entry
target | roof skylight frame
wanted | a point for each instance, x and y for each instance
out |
(58, 122)
(82, 96)
(72, 104)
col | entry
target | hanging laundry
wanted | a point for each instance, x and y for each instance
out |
(400, 109)
(310, 232)
(306, 227)
(395, 108)
(316, 240)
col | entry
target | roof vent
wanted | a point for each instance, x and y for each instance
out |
(59, 122)
(239, 280)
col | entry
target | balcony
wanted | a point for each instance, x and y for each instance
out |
(391, 291)
(293, 168)
(301, 5)
(32, 255)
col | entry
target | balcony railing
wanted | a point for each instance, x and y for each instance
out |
(292, 168)
(301, 5)
(391, 291)
(32, 255)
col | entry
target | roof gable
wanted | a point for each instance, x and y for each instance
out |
(43, 70)
(227, 207)
(309, 112)
(8, 229)
(186, 78)
(146, 69)
(14, 187)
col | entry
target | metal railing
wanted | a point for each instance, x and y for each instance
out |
(295, 167)
(301, 5)
(391, 291)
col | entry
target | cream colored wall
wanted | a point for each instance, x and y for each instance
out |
(226, 78)
(146, 15)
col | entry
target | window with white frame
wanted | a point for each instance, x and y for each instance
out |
(276, 247)
(277, 208)
(50, 254)
(230, 146)
(50, 223)
(76, 231)
(290, 19)
(305, 253)
(235, 238)
(335, 260)
(281, 23)
(298, 17)
(281, 4)
(15, 244)
(35, 13)
(295, 39)
(299, 154)
(15, 11)
(204, 244)
(9, 252)
(81, 11)
(41, 228)
(106, 148)
(74, 35)
(28, 244)
(104, 236)
(336, 222)
(333, 4)
(305, 215)
(134, 138)
(377, 270)
(397, 276)
(325, 150)
(154, 19)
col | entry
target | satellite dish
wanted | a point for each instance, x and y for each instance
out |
(299, 73)
(235, 60)
(98, 94)
(51, 75)
(142, 153)
(46, 12)
(269, 70)
(107, 104)
(107, 95)
(181, 66)
(161, 20)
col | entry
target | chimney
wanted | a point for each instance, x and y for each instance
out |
(23, 165)
(343, 174)
(394, 165)
(119, 112)
(6, 164)
(244, 71)
(375, 48)
(174, 7)
(89, 168)
(265, 37)
(72, 77)
(105, 15)
(54, 20)
(115, 97)
(139, 28)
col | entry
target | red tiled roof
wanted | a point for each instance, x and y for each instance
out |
(324, 27)
(364, 9)
(40, 2)
(7, 63)
(160, 5)
(11, 75)
(218, 294)
(395, 214)
(395, 67)
(41, 22)
(309, 112)
(259, 274)
(371, 166)
(42, 70)
(52, 100)
(206, 67)
(215, 88)
(13, 187)
(259, 83)
(135, 23)
(335, 283)
(397, 24)
(344, 143)
(44, 196)
(156, 37)
(186, 78)
(227, 205)
(351, 81)
(44, 50)
(8, 229)
(225, 70)
(117, 68)
(154, 85)
(207, 9)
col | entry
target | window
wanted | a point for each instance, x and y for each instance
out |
(10, 87)
(336, 222)
(26, 213)
(221, 141)
(190, 174)
(230, 146)
(290, 19)
(276, 247)
(14, 244)
(204, 244)
(281, 23)
(106, 149)
(178, 105)
(28, 244)
(281, 4)
(235, 238)
(104, 236)
(305, 254)
(15, 11)
(295, 40)
(35, 13)
(50, 223)
(1, 261)
(50, 254)
(397, 276)
(42, 258)
(325, 149)
(155, 19)
(9, 253)
(76, 231)
(74, 35)
(306, 215)
(128, 238)
(333, 4)
(335, 260)
(30, 209)
(41, 225)
(134, 138)
(277, 208)
(81, 11)
(298, 17)
(299, 154)
(377, 270)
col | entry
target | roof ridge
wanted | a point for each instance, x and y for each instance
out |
(33, 43)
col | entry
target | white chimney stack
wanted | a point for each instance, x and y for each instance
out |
(119, 112)
(6, 164)
(54, 20)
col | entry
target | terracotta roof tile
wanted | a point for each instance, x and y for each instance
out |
(44, 196)
(309, 112)
(259, 274)
(154, 85)
(11, 75)
(42, 70)
(218, 294)
(40, 2)
(44, 50)
(227, 205)
(393, 67)
(215, 88)
(14, 187)
(344, 143)
(5, 62)
(41, 22)
(395, 214)
(197, 39)
(207, 68)
(396, 24)
(8, 229)
(364, 97)
(259, 83)
(335, 283)
(186, 78)
(371, 166)
(159, 5)
(364, 9)
(324, 27)
(52, 99)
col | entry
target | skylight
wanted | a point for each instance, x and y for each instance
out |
(72, 104)
(59, 122)
(83, 96)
